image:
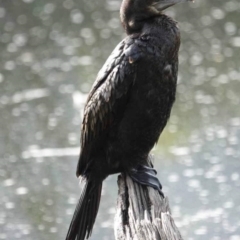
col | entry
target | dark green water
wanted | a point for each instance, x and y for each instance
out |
(50, 53)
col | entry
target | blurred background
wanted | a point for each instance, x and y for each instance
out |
(50, 53)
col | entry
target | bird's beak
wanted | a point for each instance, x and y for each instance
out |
(163, 4)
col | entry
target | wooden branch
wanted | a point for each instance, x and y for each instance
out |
(142, 213)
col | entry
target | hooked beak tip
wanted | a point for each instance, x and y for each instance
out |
(164, 4)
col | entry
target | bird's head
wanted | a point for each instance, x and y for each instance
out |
(134, 12)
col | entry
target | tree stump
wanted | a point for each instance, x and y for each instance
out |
(142, 213)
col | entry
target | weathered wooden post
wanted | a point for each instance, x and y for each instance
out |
(142, 213)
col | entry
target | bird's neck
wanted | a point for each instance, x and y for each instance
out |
(134, 15)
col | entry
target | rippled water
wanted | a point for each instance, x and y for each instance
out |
(50, 54)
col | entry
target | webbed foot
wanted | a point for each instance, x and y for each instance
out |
(146, 176)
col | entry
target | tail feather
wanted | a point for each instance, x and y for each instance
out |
(86, 211)
(92, 211)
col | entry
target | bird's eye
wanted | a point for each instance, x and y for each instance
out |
(145, 37)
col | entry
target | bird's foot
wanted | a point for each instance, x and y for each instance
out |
(146, 176)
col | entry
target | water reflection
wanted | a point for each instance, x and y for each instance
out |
(50, 54)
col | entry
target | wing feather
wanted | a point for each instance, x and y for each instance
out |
(113, 83)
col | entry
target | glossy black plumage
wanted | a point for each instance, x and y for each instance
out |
(128, 105)
(133, 95)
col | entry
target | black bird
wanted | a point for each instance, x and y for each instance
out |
(128, 106)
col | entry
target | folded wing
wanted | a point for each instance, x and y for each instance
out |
(108, 96)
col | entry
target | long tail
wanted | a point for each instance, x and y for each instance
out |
(86, 210)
